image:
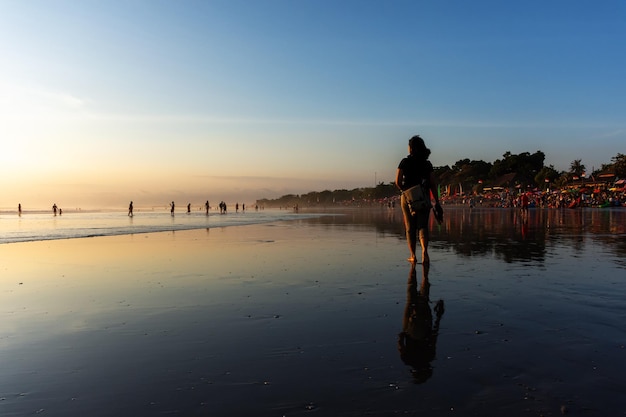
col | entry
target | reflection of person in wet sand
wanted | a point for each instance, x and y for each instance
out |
(130, 209)
(417, 342)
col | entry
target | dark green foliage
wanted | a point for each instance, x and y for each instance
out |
(617, 166)
(524, 170)
(357, 196)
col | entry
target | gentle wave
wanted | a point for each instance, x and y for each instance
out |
(39, 226)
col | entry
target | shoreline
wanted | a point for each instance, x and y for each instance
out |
(47, 227)
(308, 209)
(94, 224)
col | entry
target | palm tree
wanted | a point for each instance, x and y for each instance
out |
(576, 167)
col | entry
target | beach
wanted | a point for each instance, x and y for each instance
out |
(309, 316)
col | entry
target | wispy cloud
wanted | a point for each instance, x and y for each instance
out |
(20, 102)
(612, 134)
(240, 120)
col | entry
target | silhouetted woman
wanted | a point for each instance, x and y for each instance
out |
(416, 172)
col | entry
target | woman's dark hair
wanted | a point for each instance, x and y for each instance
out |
(418, 147)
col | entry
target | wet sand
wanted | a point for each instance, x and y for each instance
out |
(301, 317)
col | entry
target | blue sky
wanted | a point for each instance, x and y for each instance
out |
(106, 101)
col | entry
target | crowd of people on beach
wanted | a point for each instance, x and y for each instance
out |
(566, 198)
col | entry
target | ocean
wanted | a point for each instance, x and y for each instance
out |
(38, 226)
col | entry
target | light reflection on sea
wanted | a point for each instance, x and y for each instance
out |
(503, 233)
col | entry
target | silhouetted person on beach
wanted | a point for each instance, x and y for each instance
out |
(416, 180)
(172, 205)
(206, 207)
(130, 209)
(54, 208)
(524, 203)
(19, 209)
(236, 207)
(417, 342)
(243, 207)
(188, 208)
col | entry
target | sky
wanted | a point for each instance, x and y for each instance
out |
(103, 102)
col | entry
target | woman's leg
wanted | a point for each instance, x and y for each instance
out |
(422, 225)
(424, 243)
(410, 225)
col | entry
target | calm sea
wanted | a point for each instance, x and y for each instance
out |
(45, 226)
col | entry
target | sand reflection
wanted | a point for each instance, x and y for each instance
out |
(66, 286)
(294, 316)
(417, 342)
(506, 234)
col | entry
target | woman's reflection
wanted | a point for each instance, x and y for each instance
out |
(418, 340)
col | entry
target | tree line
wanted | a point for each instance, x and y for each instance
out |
(513, 170)
(524, 169)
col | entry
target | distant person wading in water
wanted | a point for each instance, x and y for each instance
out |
(416, 181)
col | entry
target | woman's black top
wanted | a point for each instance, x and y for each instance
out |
(415, 171)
